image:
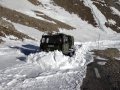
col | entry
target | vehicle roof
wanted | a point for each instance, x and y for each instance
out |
(57, 34)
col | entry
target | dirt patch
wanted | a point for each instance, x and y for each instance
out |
(104, 7)
(109, 76)
(77, 7)
(7, 29)
(7, 32)
(109, 73)
(58, 23)
(108, 53)
(41, 25)
(35, 2)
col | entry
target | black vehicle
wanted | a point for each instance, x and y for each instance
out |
(60, 41)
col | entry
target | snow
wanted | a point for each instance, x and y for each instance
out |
(52, 70)
(100, 58)
(115, 11)
(86, 31)
(56, 60)
(46, 71)
(97, 73)
(99, 17)
(22, 67)
(101, 63)
(111, 22)
(31, 32)
(34, 33)
(23, 6)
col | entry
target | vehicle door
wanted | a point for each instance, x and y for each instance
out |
(65, 45)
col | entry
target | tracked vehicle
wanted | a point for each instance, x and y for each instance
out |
(59, 41)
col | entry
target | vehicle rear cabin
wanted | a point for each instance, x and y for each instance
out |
(60, 42)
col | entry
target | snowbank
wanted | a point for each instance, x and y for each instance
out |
(52, 70)
(46, 71)
(56, 60)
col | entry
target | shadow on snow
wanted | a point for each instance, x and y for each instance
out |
(27, 49)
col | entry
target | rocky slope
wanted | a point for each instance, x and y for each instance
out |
(103, 14)
(8, 29)
(105, 6)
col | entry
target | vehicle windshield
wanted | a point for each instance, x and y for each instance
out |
(52, 40)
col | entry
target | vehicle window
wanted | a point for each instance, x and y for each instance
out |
(55, 40)
(66, 39)
(43, 40)
(47, 40)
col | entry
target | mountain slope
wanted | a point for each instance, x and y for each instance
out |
(86, 10)
(82, 17)
(107, 8)
(22, 24)
(8, 29)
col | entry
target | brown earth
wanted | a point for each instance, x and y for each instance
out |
(58, 23)
(109, 73)
(41, 25)
(7, 28)
(35, 2)
(108, 53)
(108, 13)
(77, 7)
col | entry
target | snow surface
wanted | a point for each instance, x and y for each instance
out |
(111, 22)
(48, 71)
(22, 67)
(34, 33)
(115, 11)
(23, 6)
(83, 32)
(101, 63)
(99, 17)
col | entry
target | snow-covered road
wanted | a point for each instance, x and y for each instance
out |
(47, 71)
(50, 71)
